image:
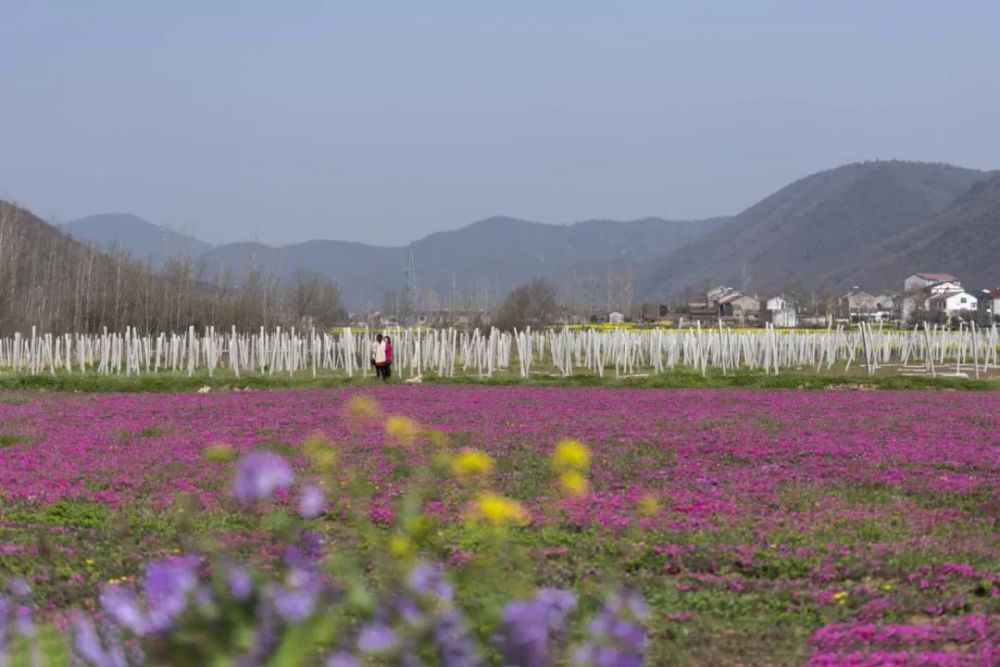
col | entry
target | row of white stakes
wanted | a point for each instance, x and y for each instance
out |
(446, 352)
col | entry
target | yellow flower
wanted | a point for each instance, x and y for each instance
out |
(499, 511)
(320, 451)
(649, 505)
(219, 452)
(840, 596)
(573, 482)
(471, 463)
(571, 455)
(401, 429)
(399, 546)
(887, 586)
(362, 406)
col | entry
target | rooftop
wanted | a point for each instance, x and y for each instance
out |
(939, 277)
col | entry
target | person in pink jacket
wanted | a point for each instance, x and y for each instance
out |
(387, 369)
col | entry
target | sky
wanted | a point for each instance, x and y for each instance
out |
(384, 121)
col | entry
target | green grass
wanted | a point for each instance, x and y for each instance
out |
(10, 439)
(679, 378)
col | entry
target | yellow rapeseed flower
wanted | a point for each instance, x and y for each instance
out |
(649, 505)
(362, 406)
(401, 429)
(219, 452)
(399, 546)
(571, 455)
(840, 596)
(320, 451)
(499, 511)
(573, 482)
(471, 463)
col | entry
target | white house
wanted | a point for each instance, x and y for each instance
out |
(616, 317)
(780, 312)
(919, 281)
(777, 303)
(919, 286)
(951, 304)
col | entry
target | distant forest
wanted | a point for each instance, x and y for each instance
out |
(57, 284)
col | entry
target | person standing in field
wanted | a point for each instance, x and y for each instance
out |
(374, 353)
(387, 369)
(379, 356)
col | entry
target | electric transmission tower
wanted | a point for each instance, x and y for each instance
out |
(410, 294)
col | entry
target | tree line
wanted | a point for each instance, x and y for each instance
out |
(53, 282)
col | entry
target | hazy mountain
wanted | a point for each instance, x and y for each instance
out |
(808, 231)
(142, 239)
(492, 256)
(964, 240)
(867, 224)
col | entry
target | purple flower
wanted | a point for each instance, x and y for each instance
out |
(531, 627)
(312, 502)
(240, 584)
(24, 620)
(167, 585)
(455, 644)
(259, 475)
(428, 579)
(342, 659)
(617, 637)
(296, 600)
(376, 638)
(19, 587)
(122, 606)
(87, 645)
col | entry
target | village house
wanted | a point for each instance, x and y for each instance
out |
(988, 311)
(919, 288)
(857, 305)
(727, 302)
(956, 303)
(780, 312)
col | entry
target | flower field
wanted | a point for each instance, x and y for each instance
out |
(760, 527)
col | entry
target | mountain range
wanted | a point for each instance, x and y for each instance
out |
(869, 224)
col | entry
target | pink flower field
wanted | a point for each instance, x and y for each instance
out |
(763, 527)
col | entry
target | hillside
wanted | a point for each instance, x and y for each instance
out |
(56, 283)
(963, 240)
(807, 231)
(50, 280)
(488, 257)
(142, 239)
(867, 224)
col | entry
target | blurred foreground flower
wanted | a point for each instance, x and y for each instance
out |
(531, 628)
(189, 609)
(571, 455)
(574, 483)
(312, 502)
(401, 429)
(362, 406)
(259, 475)
(472, 463)
(616, 634)
(320, 451)
(499, 511)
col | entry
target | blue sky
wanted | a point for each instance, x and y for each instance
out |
(384, 121)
